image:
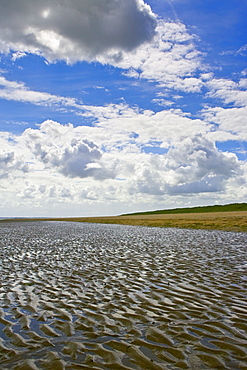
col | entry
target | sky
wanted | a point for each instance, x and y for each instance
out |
(110, 107)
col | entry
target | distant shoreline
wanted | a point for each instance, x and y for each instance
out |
(226, 221)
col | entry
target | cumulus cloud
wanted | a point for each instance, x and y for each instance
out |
(75, 29)
(74, 157)
(193, 165)
(200, 167)
(197, 156)
(10, 163)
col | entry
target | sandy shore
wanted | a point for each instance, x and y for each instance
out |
(227, 221)
(109, 297)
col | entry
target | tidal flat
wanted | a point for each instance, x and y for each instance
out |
(93, 296)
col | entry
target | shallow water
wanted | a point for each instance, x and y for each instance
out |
(88, 296)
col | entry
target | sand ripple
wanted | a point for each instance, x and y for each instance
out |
(87, 296)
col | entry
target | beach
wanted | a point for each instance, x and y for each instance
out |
(90, 296)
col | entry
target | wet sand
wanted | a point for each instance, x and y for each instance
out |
(87, 296)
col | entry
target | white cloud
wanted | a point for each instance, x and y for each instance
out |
(11, 164)
(170, 59)
(72, 157)
(231, 119)
(163, 102)
(193, 165)
(74, 30)
(118, 123)
(18, 55)
(232, 123)
(229, 91)
(18, 91)
(243, 50)
(197, 157)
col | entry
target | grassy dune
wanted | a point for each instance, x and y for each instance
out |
(231, 218)
(233, 207)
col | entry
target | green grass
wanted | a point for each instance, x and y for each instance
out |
(235, 207)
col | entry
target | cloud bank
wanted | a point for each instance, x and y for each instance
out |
(56, 154)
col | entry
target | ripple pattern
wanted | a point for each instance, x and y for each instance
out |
(88, 296)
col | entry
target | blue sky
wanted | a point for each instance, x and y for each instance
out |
(111, 107)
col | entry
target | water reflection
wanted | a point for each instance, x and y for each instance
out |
(87, 296)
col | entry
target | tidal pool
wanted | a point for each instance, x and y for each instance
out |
(90, 296)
